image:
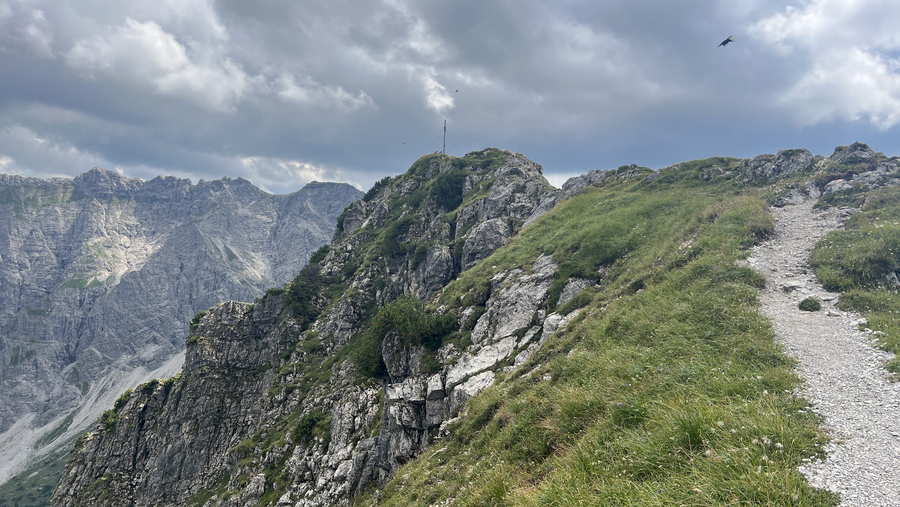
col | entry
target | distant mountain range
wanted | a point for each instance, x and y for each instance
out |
(101, 274)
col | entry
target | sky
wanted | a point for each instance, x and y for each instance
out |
(286, 92)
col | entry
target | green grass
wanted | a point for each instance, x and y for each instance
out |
(229, 254)
(56, 432)
(854, 196)
(81, 283)
(669, 388)
(34, 486)
(810, 304)
(857, 260)
(20, 355)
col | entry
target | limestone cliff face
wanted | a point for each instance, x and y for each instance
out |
(100, 274)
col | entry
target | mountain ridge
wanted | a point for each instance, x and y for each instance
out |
(433, 291)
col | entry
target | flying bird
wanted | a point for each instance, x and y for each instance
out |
(457, 91)
(726, 41)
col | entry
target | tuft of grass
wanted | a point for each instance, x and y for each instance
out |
(810, 304)
(854, 197)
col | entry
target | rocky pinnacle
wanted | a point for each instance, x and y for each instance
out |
(841, 369)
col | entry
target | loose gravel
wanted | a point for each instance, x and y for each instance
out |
(839, 364)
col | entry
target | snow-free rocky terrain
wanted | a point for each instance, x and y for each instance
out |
(100, 275)
(842, 370)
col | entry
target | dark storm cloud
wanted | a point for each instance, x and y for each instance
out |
(285, 92)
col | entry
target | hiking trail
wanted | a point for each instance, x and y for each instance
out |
(842, 371)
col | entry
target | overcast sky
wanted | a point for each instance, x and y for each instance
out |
(284, 92)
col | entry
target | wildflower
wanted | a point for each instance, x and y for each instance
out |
(720, 424)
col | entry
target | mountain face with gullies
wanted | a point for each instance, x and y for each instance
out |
(101, 274)
(459, 276)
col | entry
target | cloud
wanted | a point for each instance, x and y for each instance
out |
(436, 96)
(312, 93)
(27, 28)
(847, 50)
(7, 165)
(275, 174)
(38, 35)
(145, 53)
(23, 151)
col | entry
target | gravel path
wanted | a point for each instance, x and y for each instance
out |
(842, 372)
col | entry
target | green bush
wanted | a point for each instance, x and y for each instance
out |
(390, 244)
(342, 216)
(810, 304)
(319, 255)
(408, 318)
(195, 322)
(302, 293)
(149, 386)
(314, 424)
(383, 182)
(447, 190)
(365, 353)
(123, 399)
(109, 419)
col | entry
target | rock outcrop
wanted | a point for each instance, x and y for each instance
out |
(336, 434)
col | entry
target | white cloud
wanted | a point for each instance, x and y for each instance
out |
(313, 93)
(437, 98)
(145, 53)
(7, 164)
(27, 28)
(271, 174)
(558, 179)
(848, 47)
(853, 85)
(24, 151)
(38, 34)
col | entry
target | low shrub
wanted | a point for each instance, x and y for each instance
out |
(195, 322)
(408, 318)
(109, 419)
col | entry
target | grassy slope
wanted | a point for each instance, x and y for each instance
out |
(668, 390)
(857, 260)
(34, 486)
